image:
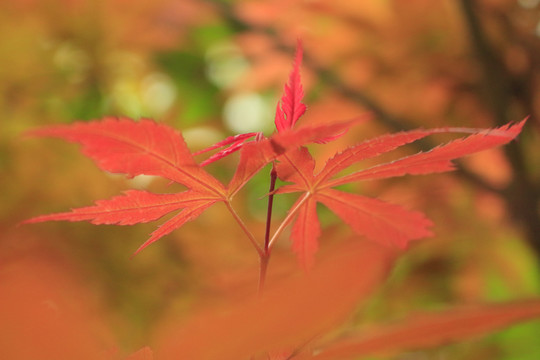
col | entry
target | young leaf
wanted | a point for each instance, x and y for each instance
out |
(428, 330)
(378, 221)
(255, 155)
(290, 107)
(46, 313)
(288, 111)
(233, 143)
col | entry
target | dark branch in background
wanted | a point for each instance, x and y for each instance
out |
(521, 196)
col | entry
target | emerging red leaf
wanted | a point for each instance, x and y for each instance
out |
(255, 155)
(427, 330)
(290, 107)
(288, 111)
(234, 143)
(298, 168)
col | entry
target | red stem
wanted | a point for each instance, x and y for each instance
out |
(265, 257)
(273, 177)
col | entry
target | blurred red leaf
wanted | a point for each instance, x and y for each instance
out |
(46, 314)
(287, 314)
(143, 354)
(428, 330)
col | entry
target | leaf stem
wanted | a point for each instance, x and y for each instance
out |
(245, 229)
(288, 218)
(265, 258)
(273, 178)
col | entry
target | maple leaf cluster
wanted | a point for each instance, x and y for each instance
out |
(145, 147)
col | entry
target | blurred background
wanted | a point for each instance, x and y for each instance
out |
(214, 68)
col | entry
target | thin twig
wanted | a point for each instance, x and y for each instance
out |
(288, 218)
(245, 229)
(273, 178)
(263, 260)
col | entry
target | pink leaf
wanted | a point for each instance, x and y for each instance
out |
(291, 102)
(255, 155)
(235, 143)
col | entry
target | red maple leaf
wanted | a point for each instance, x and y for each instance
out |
(377, 220)
(121, 145)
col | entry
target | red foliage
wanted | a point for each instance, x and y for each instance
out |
(304, 306)
(120, 145)
(291, 102)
